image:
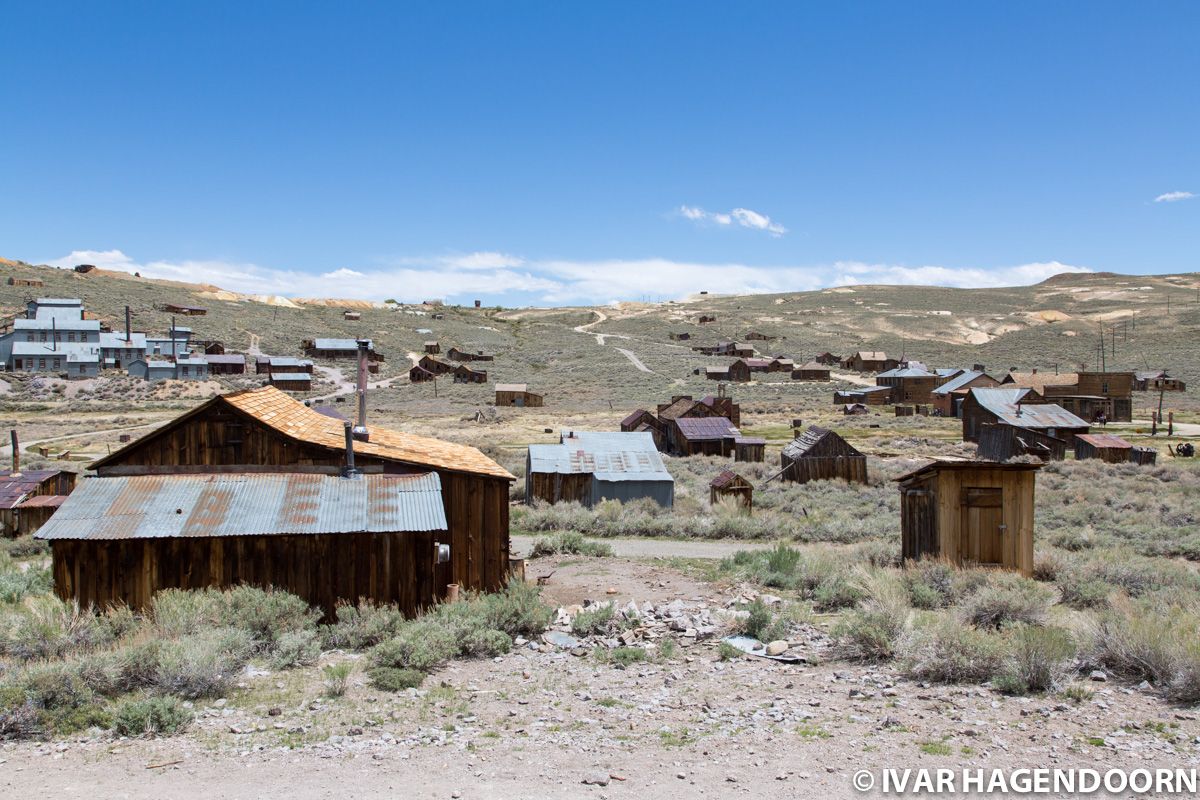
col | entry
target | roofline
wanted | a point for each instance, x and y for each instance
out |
(970, 464)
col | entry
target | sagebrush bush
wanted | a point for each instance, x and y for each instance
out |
(870, 632)
(593, 620)
(1037, 659)
(569, 543)
(62, 700)
(151, 716)
(362, 626)
(1008, 599)
(337, 678)
(296, 649)
(1156, 638)
(940, 649)
(393, 679)
(265, 614)
(202, 664)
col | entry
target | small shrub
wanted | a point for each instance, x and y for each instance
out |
(423, 645)
(930, 583)
(151, 716)
(392, 679)
(1038, 659)
(623, 657)
(942, 650)
(1157, 639)
(337, 678)
(869, 633)
(758, 620)
(727, 652)
(26, 547)
(202, 664)
(296, 649)
(666, 649)
(594, 620)
(362, 626)
(63, 702)
(1006, 600)
(570, 543)
(518, 610)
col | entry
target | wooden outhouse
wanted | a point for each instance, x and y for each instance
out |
(730, 484)
(972, 513)
(433, 348)
(819, 454)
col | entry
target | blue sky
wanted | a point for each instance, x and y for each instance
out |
(557, 153)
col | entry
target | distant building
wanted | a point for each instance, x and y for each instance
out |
(820, 454)
(351, 316)
(28, 498)
(729, 484)
(869, 361)
(433, 348)
(464, 374)
(186, 311)
(517, 395)
(226, 364)
(431, 364)
(1157, 380)
(1103, 446)
(910, 384)
(291, 381)
(1021, 407)
(866, 395)
(455, 354)
(948, 397)
(812, 371)
(338, 349)
(587, 467)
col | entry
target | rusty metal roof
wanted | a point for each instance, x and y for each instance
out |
(1104, 440)
(1005, 404)
(702, 428)
(609, 455)
(293, 419)
(247, 504)
(43, 501)
(14, 487)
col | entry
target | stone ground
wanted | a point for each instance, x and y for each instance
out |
(540, 721)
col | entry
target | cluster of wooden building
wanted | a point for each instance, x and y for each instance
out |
(429, 368)
(687, 427)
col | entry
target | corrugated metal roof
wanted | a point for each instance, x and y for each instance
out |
(871, 355)
(43, 501)
(1104, 440)
(608, 455)
(45, 323)
(226, 359)
(291, 376)
(247, 504)
(293, 419)
(136, 341)
(701, 428)
(958, 381)
(340, 344)
(906, 372)
(14, 487)
(1004, 404)
(512, 387)
(805, 443)
(288, 361)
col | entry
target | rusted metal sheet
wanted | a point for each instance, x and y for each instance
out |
(247, 504)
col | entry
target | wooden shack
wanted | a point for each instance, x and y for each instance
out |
(226, 364)
(464, 374)
(1021, 407)
(819, 454)
(850, 409)
(749, 448)
(1143, 455)
(1003, 442)
(828, 359)
(338, 349)
(866, 395)
(972, 513)
(29, 497)
(588, 467)
(455, 354)
(291, 381)
(1107, 447)
(1157, 381)
(184, 311)
(730, 484)
(435, 366)
(25, 282)
(323, 537)
(756, 336)
(812, 371)
(740, 371)
(706, 318)
(352, 316)
(517, 395)
(419, 374)
(637, 419)
(433, 348)
(265, 431)
(868, 361)
(703, 436)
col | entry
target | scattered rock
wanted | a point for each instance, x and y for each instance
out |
(596, 779)
(1099, 676)
(777, 648)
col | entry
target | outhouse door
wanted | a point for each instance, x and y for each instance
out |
(982, 527)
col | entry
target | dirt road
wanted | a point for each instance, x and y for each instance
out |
(637, 362)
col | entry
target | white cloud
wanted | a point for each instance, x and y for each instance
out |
(1173, 197)
(556, 282)
(743, 217)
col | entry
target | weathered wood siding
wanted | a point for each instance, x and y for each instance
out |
(554, 487)
(323, 569)
(802, 470)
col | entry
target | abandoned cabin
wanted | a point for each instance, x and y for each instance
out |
(29, 498)
(866, 395)
(828, 359)
(868, 361)
(714, 436)
(850, 409)
(352, 316)
(755, 336)
(226, 364)
(729, 484)
(1003, 442)
(517, 395)
(1089, 395)
(184, 311)
(1021, 407)
(335, 349)
(972, 513)
(436, 366)
(1157, 381)
(820, 454)
(25, 282)
(418, 374)
(433, 348)
(1106, 447)
(464, 374)
(455, 354)
(587, 467)
(706, 318)
(910, 384)
(812, 371)
(290, 381)
(948, 397)
(255, 487)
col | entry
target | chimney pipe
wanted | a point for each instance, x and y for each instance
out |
(360, 430)
(128, 333)
(348, 470)
(16, 458)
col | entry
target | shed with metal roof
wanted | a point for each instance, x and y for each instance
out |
(820, 454)
(327, 538)
(589, 466)
(1022, 407)
(1107, 447)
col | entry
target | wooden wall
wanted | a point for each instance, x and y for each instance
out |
(476, 505)
(803, 470)
(323, 569)
(553, 487)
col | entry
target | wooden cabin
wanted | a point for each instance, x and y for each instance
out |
(723, 406)
(226, 364)
(431, 364)
(730, 484)
(263, 431)
(850, 409)
(321, 536)
(637, 419)
(352, 316)
(755, 336)
(679, 337)
(25, 282)
(717, 374)
(866, 395)
(291, 381)
(1157, 381)
(828, 359)
(335, 349)
(419, 374)
(588, 467)
(948, 397)
(703, 436)
(972, 513)
(1020, 407)
(29, 497)
(910, 384)
(706, 318)
(184, 311)
(749, 448)
(464, 374)
(819, 454)
(433, 348)
(812, 371)
(740, 370)
(517, 395)
(1107, 447)
(868, 361)
(1002, 442)
(455, 354)
(1143, 455)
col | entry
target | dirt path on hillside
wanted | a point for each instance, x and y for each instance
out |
(29, 445)
(346, 386)
(637, 362)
